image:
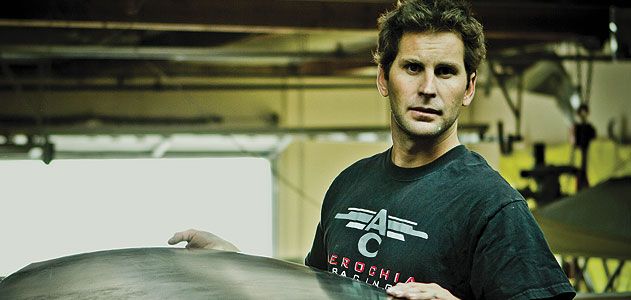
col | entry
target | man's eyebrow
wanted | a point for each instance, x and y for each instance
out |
(448, 64)
(411, 60)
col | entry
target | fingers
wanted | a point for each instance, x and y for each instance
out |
(202, 240)
(182, 236)
(177, 237)
(413, 295)
(419, 291)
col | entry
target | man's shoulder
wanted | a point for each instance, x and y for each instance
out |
(476, 165)
(482, 181)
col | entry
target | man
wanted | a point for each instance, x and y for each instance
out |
(428, 219)
(584, 133)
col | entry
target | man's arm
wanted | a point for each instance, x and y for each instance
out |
(202, 240)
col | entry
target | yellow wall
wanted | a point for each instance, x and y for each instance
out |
(307, 168)
(606, 159)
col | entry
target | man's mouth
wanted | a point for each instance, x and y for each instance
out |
(427, 110)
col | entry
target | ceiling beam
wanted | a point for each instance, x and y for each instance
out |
(162, 87)
(26, 52)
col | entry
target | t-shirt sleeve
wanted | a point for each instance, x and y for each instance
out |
(513, 261)
(316, 258)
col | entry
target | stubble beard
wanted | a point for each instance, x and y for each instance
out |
(428, 133)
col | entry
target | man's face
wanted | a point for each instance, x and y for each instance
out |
(427, 84)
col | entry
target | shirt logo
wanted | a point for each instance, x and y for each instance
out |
(381, 223)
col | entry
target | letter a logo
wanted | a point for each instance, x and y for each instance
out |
(379, 222)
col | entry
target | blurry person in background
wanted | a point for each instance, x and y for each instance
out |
(584, 133)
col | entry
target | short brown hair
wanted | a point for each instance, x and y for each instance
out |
(430, 15)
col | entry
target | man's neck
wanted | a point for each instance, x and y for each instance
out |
(411, 152)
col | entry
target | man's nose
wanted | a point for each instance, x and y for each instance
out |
(427, 85)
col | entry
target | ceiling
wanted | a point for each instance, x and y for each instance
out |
(83, 44)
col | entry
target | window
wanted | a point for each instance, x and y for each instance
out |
(76, 206)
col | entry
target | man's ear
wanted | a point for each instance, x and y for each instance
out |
(470, 91)
(382, 82)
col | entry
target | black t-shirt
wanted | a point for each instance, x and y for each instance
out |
(454, 222)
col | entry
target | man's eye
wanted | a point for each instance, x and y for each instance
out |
(445, 71)
(413, 68)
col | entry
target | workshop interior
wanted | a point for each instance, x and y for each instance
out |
(124, 121)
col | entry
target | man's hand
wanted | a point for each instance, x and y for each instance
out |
(202, 240)
(417, 291)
